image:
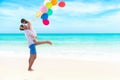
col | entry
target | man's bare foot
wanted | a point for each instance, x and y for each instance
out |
(49, 42)
(30, 70)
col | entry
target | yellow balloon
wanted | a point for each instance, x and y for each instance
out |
(38, 14)
(48, 5)
(54, 2)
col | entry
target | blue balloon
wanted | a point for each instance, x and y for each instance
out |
(44, 16)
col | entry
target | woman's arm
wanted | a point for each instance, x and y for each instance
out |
(29, 25)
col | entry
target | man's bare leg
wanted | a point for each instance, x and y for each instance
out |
(31, 61)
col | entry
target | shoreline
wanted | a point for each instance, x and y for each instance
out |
(45, 55)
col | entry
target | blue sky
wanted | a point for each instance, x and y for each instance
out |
(78, 16)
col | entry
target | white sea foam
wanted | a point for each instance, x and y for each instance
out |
(94, 53)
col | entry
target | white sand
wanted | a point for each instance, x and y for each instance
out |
(15, 68)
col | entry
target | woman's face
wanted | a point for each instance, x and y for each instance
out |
(24, 22)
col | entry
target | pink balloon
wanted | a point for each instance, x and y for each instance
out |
(43, 9)
(46, 22)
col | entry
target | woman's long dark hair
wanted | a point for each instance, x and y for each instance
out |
(24, 20)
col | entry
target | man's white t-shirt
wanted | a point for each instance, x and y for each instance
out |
(31, 29)
(33, 32)
(30, 35)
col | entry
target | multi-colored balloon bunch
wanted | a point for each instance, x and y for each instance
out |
(46, 11)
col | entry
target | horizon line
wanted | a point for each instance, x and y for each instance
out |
(63, 33)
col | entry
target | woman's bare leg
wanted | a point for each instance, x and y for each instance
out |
(43, 42)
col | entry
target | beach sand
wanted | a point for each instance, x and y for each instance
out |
(15, 68)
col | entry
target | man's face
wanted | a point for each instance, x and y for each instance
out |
(24, 27)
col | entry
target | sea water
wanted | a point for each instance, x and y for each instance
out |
(79, 46)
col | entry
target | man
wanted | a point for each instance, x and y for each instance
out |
(32, 41)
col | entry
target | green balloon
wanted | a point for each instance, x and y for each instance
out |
(49, 12)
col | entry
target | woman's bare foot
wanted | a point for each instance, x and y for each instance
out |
(49, 42)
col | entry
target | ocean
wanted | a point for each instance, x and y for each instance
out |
(77, 46)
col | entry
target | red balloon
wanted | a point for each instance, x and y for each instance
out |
(46, 22)
(61, 4)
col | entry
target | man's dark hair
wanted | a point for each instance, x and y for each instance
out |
(23, 20)
(21, 26)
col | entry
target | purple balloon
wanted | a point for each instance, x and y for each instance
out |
(46, 22)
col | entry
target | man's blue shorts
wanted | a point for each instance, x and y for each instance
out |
(32, 49)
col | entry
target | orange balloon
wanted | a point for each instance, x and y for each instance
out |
(54, 2)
